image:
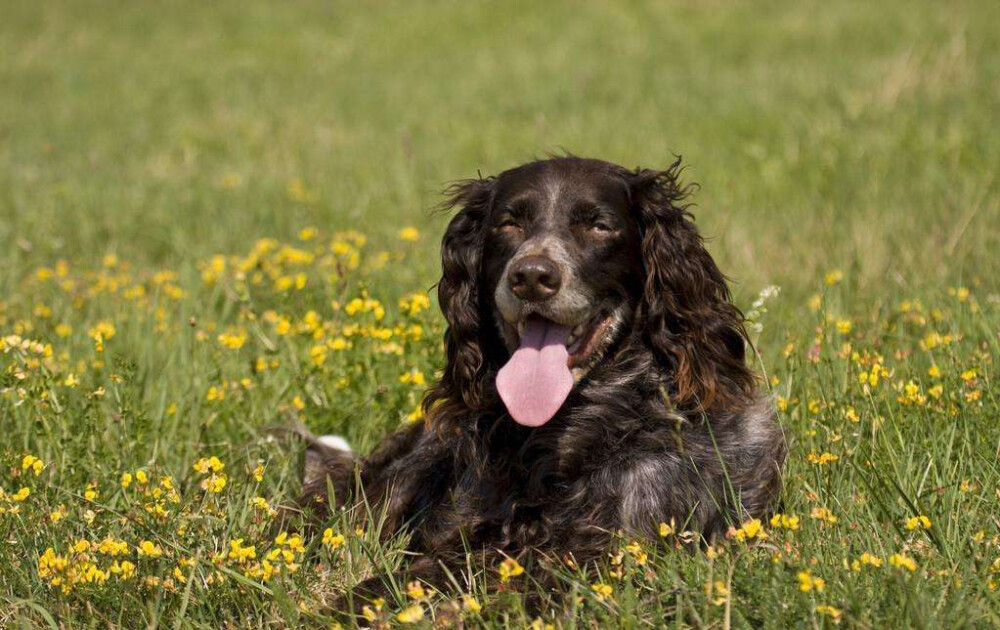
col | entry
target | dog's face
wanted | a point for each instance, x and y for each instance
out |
(562, 245)
(548, 265)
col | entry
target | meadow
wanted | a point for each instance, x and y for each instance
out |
(218, 217)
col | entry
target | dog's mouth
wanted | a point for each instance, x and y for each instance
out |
(538, 378)
(582, 340)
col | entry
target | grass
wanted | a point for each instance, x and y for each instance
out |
(847, 153)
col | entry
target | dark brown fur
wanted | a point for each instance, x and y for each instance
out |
(667, 426)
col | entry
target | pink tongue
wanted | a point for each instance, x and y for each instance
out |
(536, 380)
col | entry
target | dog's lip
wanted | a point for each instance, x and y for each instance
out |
(585, 337)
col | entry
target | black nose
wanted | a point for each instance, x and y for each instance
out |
(534, 278)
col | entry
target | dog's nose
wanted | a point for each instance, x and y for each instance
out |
(534, 278)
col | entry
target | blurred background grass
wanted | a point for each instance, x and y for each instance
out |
(853, 134)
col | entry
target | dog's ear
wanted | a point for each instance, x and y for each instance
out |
(458, 294)
(686, 314)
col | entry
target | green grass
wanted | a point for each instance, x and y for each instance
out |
(852, 137)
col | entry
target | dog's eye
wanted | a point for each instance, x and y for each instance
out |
(508, 222)
(601, 227)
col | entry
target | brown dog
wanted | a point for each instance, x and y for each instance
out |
(596, 379)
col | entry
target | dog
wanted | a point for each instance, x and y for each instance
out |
(596, 381)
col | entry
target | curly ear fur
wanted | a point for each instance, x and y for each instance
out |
(461, 385)
(686, 312)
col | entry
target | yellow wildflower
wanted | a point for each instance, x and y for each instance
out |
(36, 465)
(829, 611)
(785, 521)
(822, 459)
(415, 590)
(601, 591)
(749, 530)
(233, 341)
(809, 582)
(901, 561)
(471, 604)
(833, 277)
(209, 464)
(510, 568)
(332, 540)
(411, 614)
(918, 522)
(149, 549)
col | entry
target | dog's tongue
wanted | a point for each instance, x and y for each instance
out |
(536, 380)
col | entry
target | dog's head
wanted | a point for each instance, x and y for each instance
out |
(549, 266)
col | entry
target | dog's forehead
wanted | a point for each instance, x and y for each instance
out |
(558, 185)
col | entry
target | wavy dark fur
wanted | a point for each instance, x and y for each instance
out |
(668, 426)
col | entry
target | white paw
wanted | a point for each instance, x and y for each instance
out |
(335, 442)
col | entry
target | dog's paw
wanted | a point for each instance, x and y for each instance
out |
(335, 442)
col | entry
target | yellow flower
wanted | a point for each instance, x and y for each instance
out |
(721, 592)
(785, 521)
(823, 514)
(36, 465)
(414, 376)
(209, 464)
(510, 568)
(368, 613)
(901, 561)
(809, 582)
(833, 277)
(149, 549)
(829, 611)
(750, 530)
(415, 590)
(416, 414)
(934, 371)
(409, 234)
(411, 614)
(637, 552)
(233, 341)
(822, 459)
(471, 604)
(866, 560)
(331, 539)
(667, 530)
(918, 522)
(58, 514)
(601, 591)
(413, 303)
(101, 332)
(337, 343)
(317, 355)
(126, 481)
(261, 504)
(844, 326)
(216, 483)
